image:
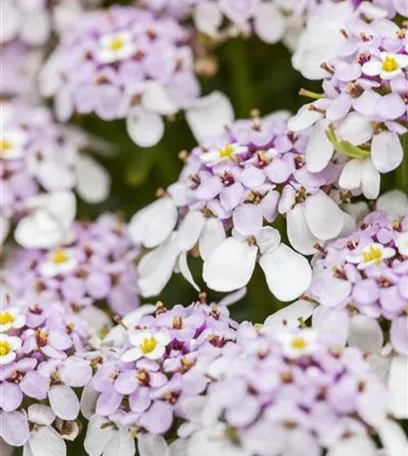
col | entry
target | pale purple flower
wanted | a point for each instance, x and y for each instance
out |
(150, 366)
(96, 264)
(229, 194)
(282, 392)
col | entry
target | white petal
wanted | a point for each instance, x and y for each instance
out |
(395, 202)
(41, 414)
(36, 28)
(122, 444)
(97, 438)
(151, 445)
(356, 129)
(393, 438)
(370, 180)
(178, 448)
(386, 151)
(323, 216)
(234, 297)
(269, 23)
(287, 273)
(185, 271)
(89, 398)
(45, 441)
(209, 115)
(268, 239)
(306, 117)
(64, 402)
(145, 128)
(156, 267)
(350, 178)
(354, 446)
(14, 428)
(397, 387)
(288, 317)
(366, 334)
(55, 176)
(319, 149)
(189, 230)
(156, 99)
(231, 265)
(93, 182)
(212, 235)
(153, 224)
(299, 234)
(207, 18)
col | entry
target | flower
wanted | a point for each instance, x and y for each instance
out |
(11, 318)
(95, 263)
(390, 66)
(263, 398)
(115, 46)
(12, 144)
(146, 345)
(373, 253)
(8, 346)
(296, 345)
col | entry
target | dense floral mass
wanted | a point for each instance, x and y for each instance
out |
(279, 393)
(316, 195)
(97, 263)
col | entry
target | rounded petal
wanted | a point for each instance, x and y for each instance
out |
(269, 23)
(64, 402)
(41, 414)
(299, 234)
(157, 100)
(231, 265)
(98, 436)
(323, 216)
(397, 387)
(145, 128)
(289, 317)
(212, 235)
(93, 181)
(287, 273)
(76, 372)
(247, 219)
(370, 180)
(46, 441)
(353, 446)
(366, 334)
(386, 151)
(10, 396)
(350, 178)
(319, 149)
(356, 129)
(393, 437)
(151, 445)
(207, 18)
(14, 428)
(189, 230)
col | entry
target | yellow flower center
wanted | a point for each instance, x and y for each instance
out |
(5, 145)
(390, 64)
(299, 343)
(6, 318)
(116, 44)
(373, 254)
(226, 151)
(148, 345)
(59, 256)
(5, 348)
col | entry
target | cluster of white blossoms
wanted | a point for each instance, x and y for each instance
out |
(86, 366)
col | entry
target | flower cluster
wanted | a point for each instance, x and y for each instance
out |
(41, 359)
(123, 63)
(364, 276)
(364, 106)
(149, 365)
(239, 182)
(96, 264)
(41, 161)
(282, 392)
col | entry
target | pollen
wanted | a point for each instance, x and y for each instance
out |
(390, 64)
(299, 343)
(116, 44)
(5, 145)
(148, 345)
(373, 254)
(59, 256)
(5, 348)
(6, 318)
(226, 151)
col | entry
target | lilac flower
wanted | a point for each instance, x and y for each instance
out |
(282, 392)
(229, 194)
(363, 109)
(126, 63)
(150, 364)
(42, 351)
(40, 161)
(96, 264)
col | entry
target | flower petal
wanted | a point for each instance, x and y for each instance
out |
(45, 441)
(356, 129)
(212, 235)
(354, 446)
(366, 334)
(189, 230)
(269, 23)
(93, 182)
(323, 216)
(397, 387)
(64, 402)
(151, 445)
(386, 151)
(370, 180)
(350, 178)
(185, 271)
(288, 317)
(98, 436)
(14, 428)
(393, 438)
(145, 128)
(41, 414)
(299, 234)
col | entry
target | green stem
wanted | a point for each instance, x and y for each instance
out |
(309, 94)
(240, 66)
(401, 177)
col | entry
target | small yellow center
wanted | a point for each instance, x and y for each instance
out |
(116, 44)
(6, 318)
(226, 151)
(5, 348)
(299, 343)
(5, 145)
(373, 254)
(148, 345)
(390, 64)
(59, 256)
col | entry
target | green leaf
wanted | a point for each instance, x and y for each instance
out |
(344, 147)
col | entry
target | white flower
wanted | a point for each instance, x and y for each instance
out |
(402, 243)
(12, 317)
(394, 202)
(12, 144)
(58, 261)
(115, 46)
(299, 343)
(226, 152)
(373, 253)
(8, 345)
(361, 173)
(390, 66)
(147, 345)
